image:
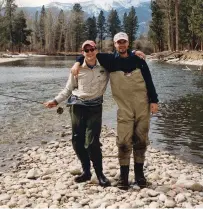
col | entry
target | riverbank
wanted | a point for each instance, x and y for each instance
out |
(10, 59)
(44, 177)
(180, 57)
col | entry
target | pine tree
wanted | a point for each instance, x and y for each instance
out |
(78, 26)
(20, 31)
(101, 27)
(156, 26)
(186, 34)
(125, 22)
(198, 23)
(91, 28)
(114, 24)
(130, 23)
(10, 9)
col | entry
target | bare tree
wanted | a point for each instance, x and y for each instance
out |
(2, 2)
(177, 23)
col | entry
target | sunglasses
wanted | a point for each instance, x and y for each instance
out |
(89, 50)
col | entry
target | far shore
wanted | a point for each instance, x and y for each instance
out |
(173, 60)
(194, 58)
(10, 59)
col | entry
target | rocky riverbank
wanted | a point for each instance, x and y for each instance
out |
(181, 57)
(43, 177)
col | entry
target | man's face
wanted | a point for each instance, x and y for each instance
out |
(89, 53)
(121, 46)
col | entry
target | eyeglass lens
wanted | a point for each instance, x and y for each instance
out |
(87, 50)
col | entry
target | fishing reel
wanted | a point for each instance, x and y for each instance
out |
(59, 110)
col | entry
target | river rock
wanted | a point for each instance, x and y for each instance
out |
(153, 176)
(154, 205)
(139, 203)
(199, 206)
(96, 204)
(84, 201)
(169, 203)
(75, 171)
(32, 174)
(152, 193)
(163, 189)
(56, 196)
(125, 205)
(197, 187)
(162, 197)
(5, 197)
(180, 198)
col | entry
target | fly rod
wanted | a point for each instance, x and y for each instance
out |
(59, 109)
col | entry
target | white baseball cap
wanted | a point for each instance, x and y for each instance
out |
(120, 36)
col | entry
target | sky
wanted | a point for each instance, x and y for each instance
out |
(32, 3)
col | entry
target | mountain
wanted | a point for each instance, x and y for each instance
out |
(93, 7)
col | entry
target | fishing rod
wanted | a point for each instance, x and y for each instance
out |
(59, 109)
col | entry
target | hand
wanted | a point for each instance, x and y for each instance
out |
(153, 108)
(50, 104)
(140, 54)
(75, 69)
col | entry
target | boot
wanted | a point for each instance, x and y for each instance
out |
(140, 179)
(123, 179)
(103, 181)
(85, 176)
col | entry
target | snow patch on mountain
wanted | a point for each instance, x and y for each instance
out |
(95, 6)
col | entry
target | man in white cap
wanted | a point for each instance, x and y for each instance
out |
(136, 97)
(85, 98)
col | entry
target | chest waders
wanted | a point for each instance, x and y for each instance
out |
(133, 117)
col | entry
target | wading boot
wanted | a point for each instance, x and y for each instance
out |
(140, 179)
(123, 179)
(85, 176)
(103, 181)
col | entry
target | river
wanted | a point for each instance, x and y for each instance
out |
(177, 127)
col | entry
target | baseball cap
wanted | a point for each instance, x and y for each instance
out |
(88, 42)
(120, 36)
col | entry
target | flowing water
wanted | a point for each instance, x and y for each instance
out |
(178, 127)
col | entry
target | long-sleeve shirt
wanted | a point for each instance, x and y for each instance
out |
(114, 62)
(87, 87)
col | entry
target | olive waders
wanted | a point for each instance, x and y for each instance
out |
(86, 129)
(133, 117)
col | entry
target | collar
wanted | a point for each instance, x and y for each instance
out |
(116, 54)
(84, 65)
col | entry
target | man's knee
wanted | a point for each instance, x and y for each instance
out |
(124, 146)
(140, 144)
